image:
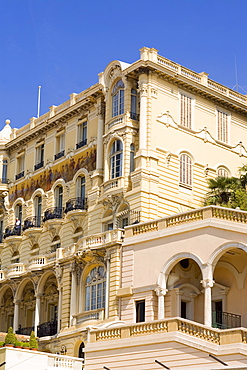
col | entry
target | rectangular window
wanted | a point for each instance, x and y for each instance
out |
(20, 166)
(39, 162)
(82, 135)
(60, 146)
(140, 311)
(222, 123)
(185, 111)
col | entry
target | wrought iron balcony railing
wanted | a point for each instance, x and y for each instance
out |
(59, 155)
(54, 212)
(38, 165)
(225, 320)
(19, 175)
(81, 144)
(47, 328)
(25, 331)
(34, 221)
(134, 116)
(12, 230)
(1, 238)
(76, 203)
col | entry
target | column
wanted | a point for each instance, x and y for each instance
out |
(59, 314)
(161, 302)
(73, 294)
(99, 154)
(143, 112)
(107, 293)
(207, 285)
(37, 314)
(16, 316)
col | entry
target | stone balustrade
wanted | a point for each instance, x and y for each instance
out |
(16, 269)
(37, 262)
(213, 335)
(202, 79)
(97, 240)
(2, 275)
(222, 213)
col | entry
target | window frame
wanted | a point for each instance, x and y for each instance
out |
(222, 125)
(185, 170)
(39, 156)
(82, 134)
(118, 98)
(92, 295)
(5, 171)
(186, 113)
(116, 159)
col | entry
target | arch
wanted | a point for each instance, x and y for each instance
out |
(37, 192)
(43, 279)
(58, 182)
(17, 202)
(188, 285)
(21, 288)
(80, 172)
(172, 261)
(185, 151)
(218, 252)
(4, 289)
(223, 171)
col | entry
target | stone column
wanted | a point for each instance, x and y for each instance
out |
(16, 315)
(37, 314)
(99, 155)
(143, 112)
(59, 314)
(161, 302)
(107, 293)
(207, 285)
(73, 293)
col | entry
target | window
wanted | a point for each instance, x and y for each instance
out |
(37, 210)
(116, 159)
(4, 171)
(133, 109)
(185, 111)
(59, 197)
(118, 98)
(80, 187)
(222, 172)
(140, 311)
(132, 157)
(56, 243)
(60, 146)
(18, 212)
(222, 124)
(15, 257)
(95, 289)
(185, 170)
(82, 135)
(20, 167)
(39, 161)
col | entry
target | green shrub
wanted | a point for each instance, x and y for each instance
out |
(26, 345)
(1, 344)
(33, 341)
(10, 338)
(18, 344)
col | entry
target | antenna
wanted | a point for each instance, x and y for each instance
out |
(236, 86)
(39, 88)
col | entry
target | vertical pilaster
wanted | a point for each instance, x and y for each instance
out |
(37, 314)
(161, 302)
(207, 285)
(73, 307)
(143, 111)
(16, 315)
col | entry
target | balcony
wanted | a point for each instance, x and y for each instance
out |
(19, 175)
(47, 328)
(25, 331)
(16, 269)
(37, 262)
(34, 221)
(12, 230)
(38, 166)
(75, 204)
(116, 183)
(98, 240)
(59, 155)
(134, 116)
(53, 213)
(1, 238)
(225, 320)
(89, 315)
(81, 144)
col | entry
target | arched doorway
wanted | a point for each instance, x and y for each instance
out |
(81, 353)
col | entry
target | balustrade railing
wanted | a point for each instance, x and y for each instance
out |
(12, 230)
(225, 320)
(76, 203)
(134, 116)
(59, 155)
(47, 328)
(29, 222)
(16, 269)
(53, 213)
(25, 331)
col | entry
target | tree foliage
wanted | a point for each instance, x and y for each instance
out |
(228, 191)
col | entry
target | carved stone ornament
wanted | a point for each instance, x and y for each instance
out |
(112, 201)
(115, 72)
(114, 135)
(59, 272)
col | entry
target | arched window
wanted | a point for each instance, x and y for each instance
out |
(56, 243)
(222, 172)
(81, 353)
(132, 157)
(116, 159)
(185, 170)
(4, 171)
(37, 210)
(118, 98)
(95, 289)
(18, 212)
(133, 109)
(80, 187)
(59, 197)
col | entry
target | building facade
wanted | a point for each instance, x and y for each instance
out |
(101, 223)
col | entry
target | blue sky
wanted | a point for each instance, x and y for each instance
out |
(62, 45)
